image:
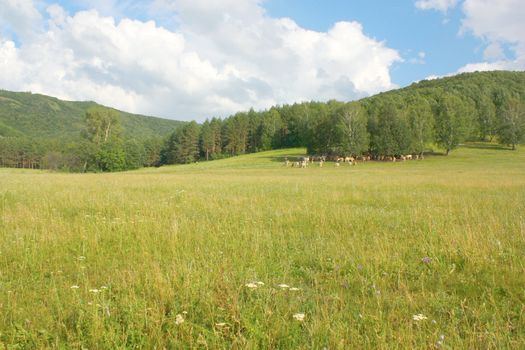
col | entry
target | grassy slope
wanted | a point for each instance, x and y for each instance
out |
(188, 238)
(41, 116)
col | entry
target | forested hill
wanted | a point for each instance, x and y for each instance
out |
(23, 114)
(472, 85)
(431, 115)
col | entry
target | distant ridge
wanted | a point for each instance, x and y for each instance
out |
(24, 114)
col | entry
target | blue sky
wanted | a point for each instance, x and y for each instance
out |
(401, 25)
(194, 59)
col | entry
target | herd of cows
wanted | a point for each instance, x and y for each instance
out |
(303, 162)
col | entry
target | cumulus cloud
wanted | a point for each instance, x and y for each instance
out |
(439, 5)
(20, 17)
(500, 25)
(219, 58)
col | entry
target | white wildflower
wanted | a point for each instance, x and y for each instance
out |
(94, 290)
(294, 289)
(103, 287)
(283, 286)
(419, 317)
(75, 287)
(80, 258)
(179, 319)
(260, 283)
(299, 317)
(220, 324)
(251, 285)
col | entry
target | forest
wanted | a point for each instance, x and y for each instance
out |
(427, 116)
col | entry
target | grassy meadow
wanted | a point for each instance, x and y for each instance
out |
(412, 255)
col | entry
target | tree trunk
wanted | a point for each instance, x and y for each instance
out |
(448, 151)
(207, 152)
(513, 146)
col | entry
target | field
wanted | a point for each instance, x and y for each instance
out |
(416, 255)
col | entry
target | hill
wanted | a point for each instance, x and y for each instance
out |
(39, 116)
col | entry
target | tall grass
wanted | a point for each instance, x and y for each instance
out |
(368, 247)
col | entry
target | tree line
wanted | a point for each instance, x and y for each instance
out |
(444, 113)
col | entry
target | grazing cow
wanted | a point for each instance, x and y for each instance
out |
(286, 161)
(321, 163)
(408, 157)
(403, 158)
(303, 164)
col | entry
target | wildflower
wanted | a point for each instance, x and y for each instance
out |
(283, 286)
(260, 283)
(179, 319)
(294, 289)
(184, 312)
(299, 317)
(80, 258)
(426, 260)
(94, 290)
(103, 287)
(419, 317)
(220, 324)
(75, 287)
(251, 285)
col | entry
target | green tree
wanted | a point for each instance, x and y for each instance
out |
(353, 137)
(421, 124)
(207, 139)
(135, 154)
(103, 125)
(392, 135)
(511, 130)
(452, 123)
(182, 146)
(103, 132)
(111, 157)
(486, 117)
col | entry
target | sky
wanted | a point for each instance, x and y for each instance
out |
(196, 59)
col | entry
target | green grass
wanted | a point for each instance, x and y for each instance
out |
(188, 238)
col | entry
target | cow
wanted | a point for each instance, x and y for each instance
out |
(321, 163)
(408, 157)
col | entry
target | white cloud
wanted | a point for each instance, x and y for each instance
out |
(20, 16)
(220, 58)
(499, 24)
(420, 59)
(439, 5)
